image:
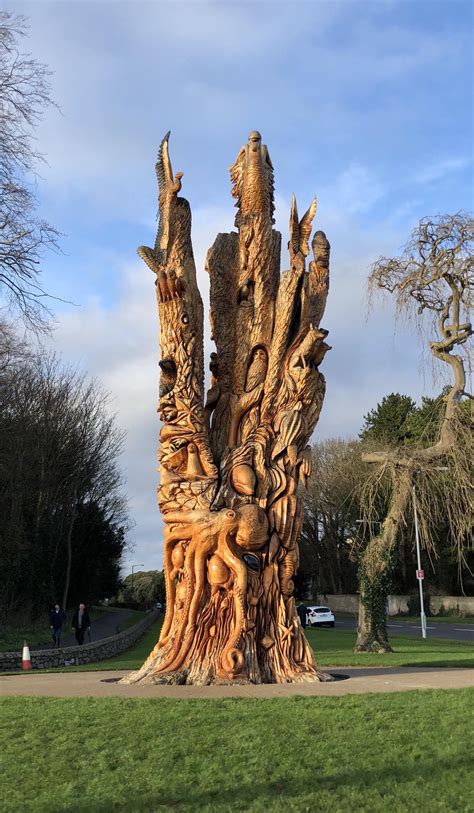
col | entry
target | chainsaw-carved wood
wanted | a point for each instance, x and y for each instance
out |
(230, 464)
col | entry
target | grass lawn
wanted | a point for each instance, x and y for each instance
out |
(332, 648)
(335, 648)
(398, 752)
(136, 616)
(460, 620)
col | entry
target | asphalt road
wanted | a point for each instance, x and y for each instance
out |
(452, 632)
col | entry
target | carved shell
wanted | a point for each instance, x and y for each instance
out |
(243, 479)
(289, 427)
(177, 556)
(285, 517)
(217, 570)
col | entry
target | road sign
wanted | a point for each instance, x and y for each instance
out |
(420, 574)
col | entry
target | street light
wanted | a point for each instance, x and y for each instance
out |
(420, 574)
(133, 566)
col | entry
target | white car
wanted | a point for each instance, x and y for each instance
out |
(319, 617)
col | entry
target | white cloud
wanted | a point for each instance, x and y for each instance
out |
(345, 96)
(438, 170)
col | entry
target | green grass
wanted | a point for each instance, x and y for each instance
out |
(332, 648)
(435, 619)
(399, 752)
(335, 648)
(136, 616)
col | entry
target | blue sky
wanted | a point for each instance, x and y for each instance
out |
(368, 105)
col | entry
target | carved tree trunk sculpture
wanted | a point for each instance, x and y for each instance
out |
(230, 466)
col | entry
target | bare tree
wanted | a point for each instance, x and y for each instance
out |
(24, 237)
(59, 447)
(432, 282)
(331, 511)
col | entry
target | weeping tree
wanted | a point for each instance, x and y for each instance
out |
(230, 465)
(432, 283)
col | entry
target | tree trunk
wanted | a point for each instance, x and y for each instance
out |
(67, 577)
(376, 571)
(229, 470)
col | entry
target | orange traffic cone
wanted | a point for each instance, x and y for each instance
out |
(26, 659)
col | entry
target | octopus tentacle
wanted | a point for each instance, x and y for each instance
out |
(199, 584)
(188, 575)
(171, 538)
(232, 659)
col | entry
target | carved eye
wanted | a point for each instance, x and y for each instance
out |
(231, 514)
(253, 562)
(185, 319)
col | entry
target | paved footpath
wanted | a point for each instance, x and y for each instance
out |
(103, 627)
(358, 681)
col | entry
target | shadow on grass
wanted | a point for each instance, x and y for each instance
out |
(241, 797)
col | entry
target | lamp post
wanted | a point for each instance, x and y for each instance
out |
(420, 574)
(133, 566)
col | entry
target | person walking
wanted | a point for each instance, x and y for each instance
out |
(80, 623)
(301, 610)
(56, 620)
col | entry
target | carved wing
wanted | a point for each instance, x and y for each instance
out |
(294, 228)
(237, 173)
(305, 227)
(163, 170)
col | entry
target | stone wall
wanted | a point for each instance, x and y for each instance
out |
(463, 605)
(87, 653)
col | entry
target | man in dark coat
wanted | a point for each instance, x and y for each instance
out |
(56, 621)
(80, 623)
(301, 610)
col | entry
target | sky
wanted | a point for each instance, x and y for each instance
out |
(368, 105)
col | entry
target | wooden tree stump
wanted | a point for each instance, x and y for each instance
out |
(230, 464)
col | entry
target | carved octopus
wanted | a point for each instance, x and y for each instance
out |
(200, 539)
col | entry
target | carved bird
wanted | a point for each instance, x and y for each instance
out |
(252, 178)
(168, 188)
(300, 230)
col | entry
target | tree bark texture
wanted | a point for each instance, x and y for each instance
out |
(230, 464)
(376, 570)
